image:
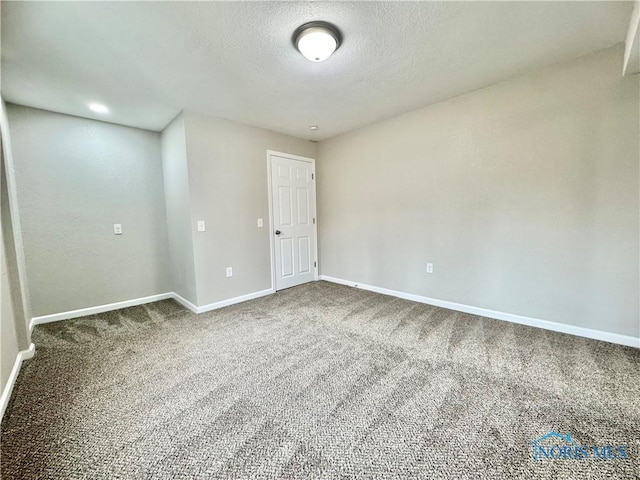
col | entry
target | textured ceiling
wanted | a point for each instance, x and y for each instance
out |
(149, 60)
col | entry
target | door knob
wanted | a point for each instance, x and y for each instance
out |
(278, 232)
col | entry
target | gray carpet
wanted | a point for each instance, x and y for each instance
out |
(319, 381)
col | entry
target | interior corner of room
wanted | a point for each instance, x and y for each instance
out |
(517, 200)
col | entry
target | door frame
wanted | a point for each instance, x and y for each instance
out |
(272, 246)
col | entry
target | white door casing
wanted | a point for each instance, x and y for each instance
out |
(292, 215)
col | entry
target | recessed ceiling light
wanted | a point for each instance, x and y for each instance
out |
(313, 127)
(317, 40)
(98, 108)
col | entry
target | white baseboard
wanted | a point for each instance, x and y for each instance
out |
(484, 312)
(13, 376)
(184, 302)
(231, 301)
(140, 301)
(509, 317)
(83, 312)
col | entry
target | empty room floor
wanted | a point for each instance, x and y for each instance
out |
(317, 381)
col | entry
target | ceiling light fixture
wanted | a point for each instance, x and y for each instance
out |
(313, 127)
(98, 108)
(317, 40)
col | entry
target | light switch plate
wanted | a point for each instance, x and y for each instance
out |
(117, 228)
(229, 272)
(260, 223)
(201, 226)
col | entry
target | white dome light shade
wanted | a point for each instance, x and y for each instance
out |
(316, 40)
(316, 45)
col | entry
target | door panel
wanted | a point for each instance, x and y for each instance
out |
(285, 205)
(293, 202)
(304, 247)
(303, 206)
(286, 249)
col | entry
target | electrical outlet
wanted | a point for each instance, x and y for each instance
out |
(260, 223)
(201, 226)
(429, 267)
(117, 228)
(229, 272)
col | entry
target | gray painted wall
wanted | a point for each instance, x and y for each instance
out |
(9, 346)
(13, 324)
(229, 191)
(10, 323)
(12, 301)
(13, 233)
(524, 195)
(178, 207)
(75, 179)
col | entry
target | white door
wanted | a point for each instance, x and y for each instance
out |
(293, 220)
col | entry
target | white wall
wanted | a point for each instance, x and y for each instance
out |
(178, 208)
(524, 195)
(75, 179)
(227, 164)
